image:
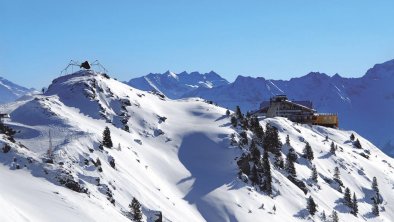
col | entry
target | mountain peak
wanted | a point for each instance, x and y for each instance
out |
(171, 74)
(10, 91)
(176, 85)
(382, 70)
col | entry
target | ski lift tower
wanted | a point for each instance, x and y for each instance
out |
(86, 65)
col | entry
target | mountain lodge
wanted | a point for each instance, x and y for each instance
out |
(3, 116)
(296, 111)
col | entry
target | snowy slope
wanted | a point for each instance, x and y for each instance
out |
(176, 158)
(176, 85)
(358, 101)
(10, 91)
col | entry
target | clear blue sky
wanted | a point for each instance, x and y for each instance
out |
(274, 39)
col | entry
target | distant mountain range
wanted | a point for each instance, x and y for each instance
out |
(365, 104)
(10, 91)
(175, 86)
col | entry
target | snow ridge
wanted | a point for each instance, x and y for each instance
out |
(174, 156)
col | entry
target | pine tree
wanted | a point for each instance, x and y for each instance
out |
(352, 137)
(135, 208)
(347, 198)
(314, 175)
(248, 115)
(112, 162)
(227, 112)
(98, 162)
(292, 155)
(375, 185)
(267, 186)
(311, 206)
(234, 121)
(323, 216)
(107, 142)
(244, 138)
(375, 207)
(375, 188)
(272, 142)
(287, 140)
(255, 152)
(245, 123)
(357, 144)
(308, 152)
(334, 216)
(238, 113)
(257, 129)
(254, 176)
(337, 176)
(254, 123)
(290, 168)
(332, 148)
(279, 161)
(354, 205)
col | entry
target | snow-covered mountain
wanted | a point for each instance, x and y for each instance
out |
(174, 85)
(177, 157)
(10, 91)
(365, 104)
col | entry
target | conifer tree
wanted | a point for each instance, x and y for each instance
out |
(337, 176)
(227, 112)
(257, 129)
(347, 198)
(254, 176)
(107, 141)
(245, 124)
(334, 216)
(352, 137)
(290, 168)
(354, 205)
(287, 140)
(323, 216)
(267, 186)
(332, 148)
(272, 142)
(311, 206)
(308, 152)
(255, 152)
(314, 175)
(357, 144)
(279, 161)
(244, 138)
(375, 185)
(375, 188)
(135, 208)
(238, 113)
(375, 207)
(234, 121)
(292, 155)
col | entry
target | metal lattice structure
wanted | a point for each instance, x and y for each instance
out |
(83, 66)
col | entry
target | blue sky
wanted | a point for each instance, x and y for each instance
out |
(273, 39)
